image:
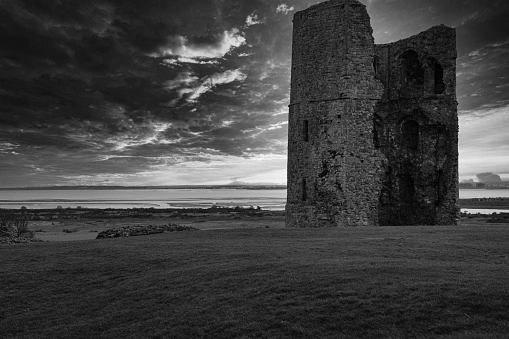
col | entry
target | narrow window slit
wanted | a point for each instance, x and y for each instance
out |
(304, 190)
(439, 79)
(410, 133)
(305, 130)
(376, 66)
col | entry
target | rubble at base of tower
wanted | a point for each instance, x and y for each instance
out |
(373, 129)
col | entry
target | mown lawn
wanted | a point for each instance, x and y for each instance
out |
(378, 282)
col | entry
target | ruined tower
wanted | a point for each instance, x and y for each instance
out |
(373, 130)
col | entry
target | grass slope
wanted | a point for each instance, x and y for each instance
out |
(383, 282)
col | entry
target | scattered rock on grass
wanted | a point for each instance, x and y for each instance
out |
(131, 231)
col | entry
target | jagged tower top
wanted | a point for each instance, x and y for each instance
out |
(332, 44)
(332, 3)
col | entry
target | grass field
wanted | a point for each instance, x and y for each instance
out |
(377, 282)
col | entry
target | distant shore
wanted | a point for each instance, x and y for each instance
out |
(245, 187)
(187, 187)
(485, 203)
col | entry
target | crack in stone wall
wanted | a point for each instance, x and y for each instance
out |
(372, 128)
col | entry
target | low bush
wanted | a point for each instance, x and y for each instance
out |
(13, 225)
(66, 230)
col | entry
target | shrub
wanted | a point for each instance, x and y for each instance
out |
(66, 230)
(14, 225)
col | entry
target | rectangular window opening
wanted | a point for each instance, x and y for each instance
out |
(305, 130)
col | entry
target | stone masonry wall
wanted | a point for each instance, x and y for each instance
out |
(370, 140)
(334, 171)
(416, 127)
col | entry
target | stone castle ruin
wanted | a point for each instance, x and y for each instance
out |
(373, 129)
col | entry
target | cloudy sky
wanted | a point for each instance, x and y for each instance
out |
(164, 92)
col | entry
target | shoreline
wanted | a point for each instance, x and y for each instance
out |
(68, 224)
(500, 203)
(84, 224)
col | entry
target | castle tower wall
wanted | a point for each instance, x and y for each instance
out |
(373, 131)
(334, 170)
(416, 127)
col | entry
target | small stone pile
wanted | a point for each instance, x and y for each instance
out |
(131, 231)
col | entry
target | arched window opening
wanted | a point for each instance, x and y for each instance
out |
(439, 79)
(412, 75)
(410, 134)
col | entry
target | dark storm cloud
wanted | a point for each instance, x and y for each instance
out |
(483, 48)
(104, 76)
(97, 91)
